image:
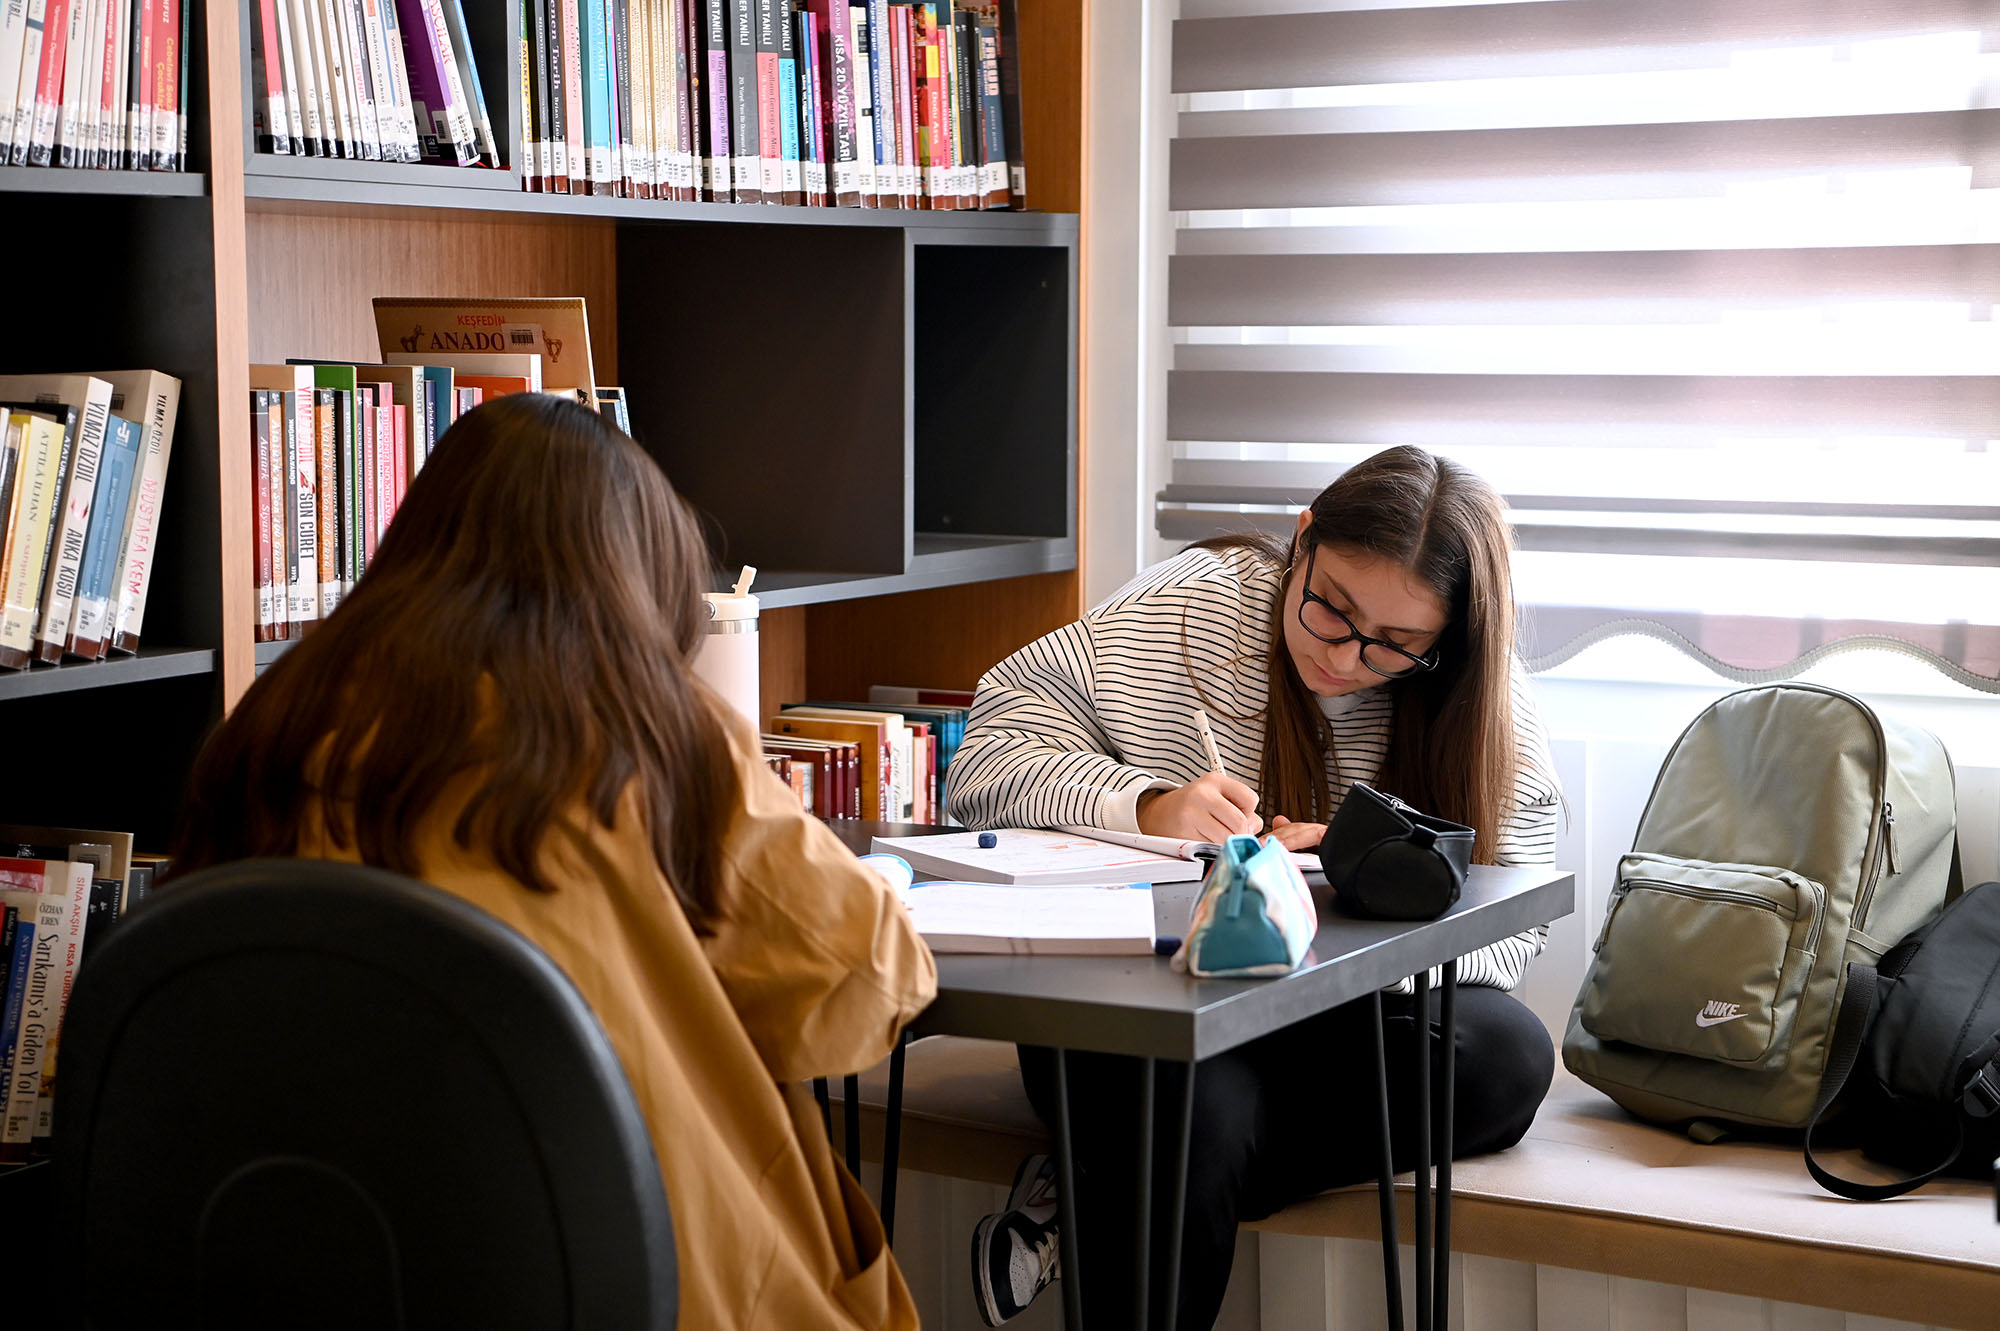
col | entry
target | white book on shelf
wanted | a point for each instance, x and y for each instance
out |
(25, 76)
(159, 395)
(1087, 920)
(360, 79)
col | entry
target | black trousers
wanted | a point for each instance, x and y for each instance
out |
(1275, 1121)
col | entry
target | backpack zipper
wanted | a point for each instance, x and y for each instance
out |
(1709, 894)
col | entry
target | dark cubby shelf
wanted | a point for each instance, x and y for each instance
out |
(150, 664)
(58, 180)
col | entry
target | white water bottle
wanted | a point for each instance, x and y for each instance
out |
(726, 661)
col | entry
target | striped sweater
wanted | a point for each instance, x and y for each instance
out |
(1074, 727)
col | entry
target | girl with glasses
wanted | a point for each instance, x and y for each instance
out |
(1376, 645)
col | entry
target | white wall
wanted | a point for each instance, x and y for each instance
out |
(1127, 237)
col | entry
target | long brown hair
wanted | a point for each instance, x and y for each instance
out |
(527, 621)
(1452, 750)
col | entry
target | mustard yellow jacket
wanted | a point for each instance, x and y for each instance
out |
(812, 971)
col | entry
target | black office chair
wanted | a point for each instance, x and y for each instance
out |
(300, 1094)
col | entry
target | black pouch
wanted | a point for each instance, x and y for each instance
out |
(1388, 861)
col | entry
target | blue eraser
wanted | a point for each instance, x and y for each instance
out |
(988, 840)
(1166, 947)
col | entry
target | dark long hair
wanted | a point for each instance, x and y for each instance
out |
(1451, 743)
(528, 621)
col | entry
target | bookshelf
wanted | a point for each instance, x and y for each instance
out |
(922, 422)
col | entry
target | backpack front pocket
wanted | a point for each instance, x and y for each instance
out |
(1702, 959)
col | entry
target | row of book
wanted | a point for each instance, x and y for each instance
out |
(883, 103)
(884, 759)
(94, 84)
(371, 80)
(61, 890)
(83, 466)
(336, 445)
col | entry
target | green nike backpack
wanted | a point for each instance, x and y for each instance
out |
(1791, 830)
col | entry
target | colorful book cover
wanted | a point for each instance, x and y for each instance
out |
(21, 910)
(88, 399)
(789, 144)
(260, 433)
(570, 52)
(993, 188)
(429, 87)
(326, 436)
(343, 380)
(117, 470)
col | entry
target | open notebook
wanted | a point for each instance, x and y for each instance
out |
(1031, 857)
(996, 917)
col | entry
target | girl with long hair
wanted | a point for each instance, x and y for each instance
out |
(1376, 645)
(504, 707)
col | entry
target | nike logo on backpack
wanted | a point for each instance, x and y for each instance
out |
(1715, 1013)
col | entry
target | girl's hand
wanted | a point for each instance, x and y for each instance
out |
(1297, 836)
(1212, 807)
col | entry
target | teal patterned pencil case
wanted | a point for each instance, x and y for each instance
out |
(1254, 915)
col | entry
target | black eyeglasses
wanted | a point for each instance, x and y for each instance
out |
(1318, 617)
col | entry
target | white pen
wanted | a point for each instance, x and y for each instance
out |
(1208, 741)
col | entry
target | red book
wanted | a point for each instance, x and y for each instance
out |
(49, 83)
(260, 424)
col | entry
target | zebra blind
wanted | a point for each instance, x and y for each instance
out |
(1705, 287)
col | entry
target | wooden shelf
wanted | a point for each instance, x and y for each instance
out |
(316, 182)
(939, 561)
(142, 184)
(150, 664)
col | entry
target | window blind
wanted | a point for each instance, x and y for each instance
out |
(1705, 287)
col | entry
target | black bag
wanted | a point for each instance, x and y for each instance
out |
(1385, 860)
(1922, 1033)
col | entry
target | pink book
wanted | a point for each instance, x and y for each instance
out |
(402, 432)
(384, 470)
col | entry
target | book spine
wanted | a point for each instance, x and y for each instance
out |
(993, 188)
(427, 84)
(83, 14)
(69, 949)
(143, 525)
(327, 473)
(842, 137)
(866, 143)
(770, 115)
(1010, 100)
(471, 91)
(746, 167)
(79, 492)
(317, 122)
(268, 82)
(90, 624)
(260, 425)
(347, 441)
(285, 446)
(572, 67)
(882, 93)
(399, 422)
(13, 33)
(38, 1018)
(687, 66)
(326, 31)
(790, 147)
(965, 85)
(26, 74)
(596, 97)
(639, 161)
(624, 148)
(27, 538)
(99, 42)
(48, 81)
(464, 137)
(176, 80)
(396, 57)
(19, 964)
(385, 461)
(541, 165)
(297, 114)
(361, 76)
(906, 104)
(372, 63)
(812, 153)
(715, 74)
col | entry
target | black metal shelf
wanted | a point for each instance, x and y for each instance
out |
(151, 663)
(68, 180)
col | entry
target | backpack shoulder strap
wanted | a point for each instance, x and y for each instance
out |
(1857, 1010)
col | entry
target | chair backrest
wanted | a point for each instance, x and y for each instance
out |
(306, 1094)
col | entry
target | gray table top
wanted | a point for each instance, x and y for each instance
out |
(1141, 1006)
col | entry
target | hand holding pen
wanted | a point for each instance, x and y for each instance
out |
(1212, 807)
